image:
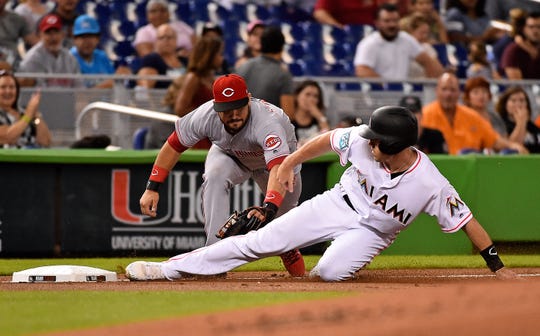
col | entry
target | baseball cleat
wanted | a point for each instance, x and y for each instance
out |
(144, 270)
(294, 263)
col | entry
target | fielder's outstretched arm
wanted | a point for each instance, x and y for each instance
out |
(165, 162)
(481, 240)
(311, 149)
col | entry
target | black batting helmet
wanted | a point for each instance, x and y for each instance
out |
(395, 126)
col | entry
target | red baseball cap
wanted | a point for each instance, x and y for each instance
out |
(50, 21)
(230, 93)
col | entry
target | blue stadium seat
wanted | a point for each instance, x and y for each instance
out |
(348, 87)
(338, 69)
(238, 12)
(463, 61)
(199, 8)
(183, 12)
(118, 10)
(140, 13)
(442, 53)
(256, 11)
(357, 32)
(124, 49)
(296, 50)
(293, 32)
(102, 14)
(139, 137)
(297, 68)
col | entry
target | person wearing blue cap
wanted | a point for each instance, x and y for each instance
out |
(86, 33)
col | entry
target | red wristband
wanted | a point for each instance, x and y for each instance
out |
(158, 174)
(274, 197)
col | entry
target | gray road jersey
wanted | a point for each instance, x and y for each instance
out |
(267, 135)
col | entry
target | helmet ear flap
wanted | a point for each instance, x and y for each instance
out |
(391, 148)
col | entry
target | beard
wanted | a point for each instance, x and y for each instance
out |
(390, 34)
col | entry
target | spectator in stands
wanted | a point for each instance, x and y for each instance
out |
(309, 118)
(477, 96)
(466, 20)
(190, 90)
(479, 66)
(265, 75)
(340, 13)
(20, 128)
(521, 61)
(388, 52)
(12, 27)
(253, 42)
(213, 30)
(430, 141)
(32, 11)
(86, 33)
(500, 9)
(164, 61)
(517, 23)
(49, 57)
(67, 11)
(204, 61)
(514, 107)
(157, 12)
(426, 9)
(418, 27)
(463, 129)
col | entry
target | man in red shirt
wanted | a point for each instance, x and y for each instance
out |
(522, 61)
(339, 13)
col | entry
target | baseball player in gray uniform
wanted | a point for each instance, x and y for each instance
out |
(250, 140)
(388, 184)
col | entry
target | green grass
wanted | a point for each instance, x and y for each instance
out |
(29, 312)
(8, 266)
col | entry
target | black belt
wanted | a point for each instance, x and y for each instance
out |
(348, 201)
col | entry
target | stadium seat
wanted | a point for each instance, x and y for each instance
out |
(238, 12)
(293, 33)
(102, 13)
(122, 30)
(183, 12)
(357, 32)
(338, 69)
(140, 13)
(333, 35)
(294, 52)
(256, 11)
(124, 49)
(199, 9)
(139, 137)
(297, 68)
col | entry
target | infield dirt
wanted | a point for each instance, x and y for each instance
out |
(381, 302)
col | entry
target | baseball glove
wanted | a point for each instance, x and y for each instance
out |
(239, 223)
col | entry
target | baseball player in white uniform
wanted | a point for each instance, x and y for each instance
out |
(251, 138)
(388, 184)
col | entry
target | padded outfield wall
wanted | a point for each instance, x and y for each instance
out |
(85, 202)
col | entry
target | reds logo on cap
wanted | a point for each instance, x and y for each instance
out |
(230, 93)
(50, 21)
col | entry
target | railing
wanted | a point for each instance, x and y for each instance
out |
(122, 109)
(62, 107)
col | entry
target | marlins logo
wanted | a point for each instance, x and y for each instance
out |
(344, 140)
(272, 142)
(454, 205)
